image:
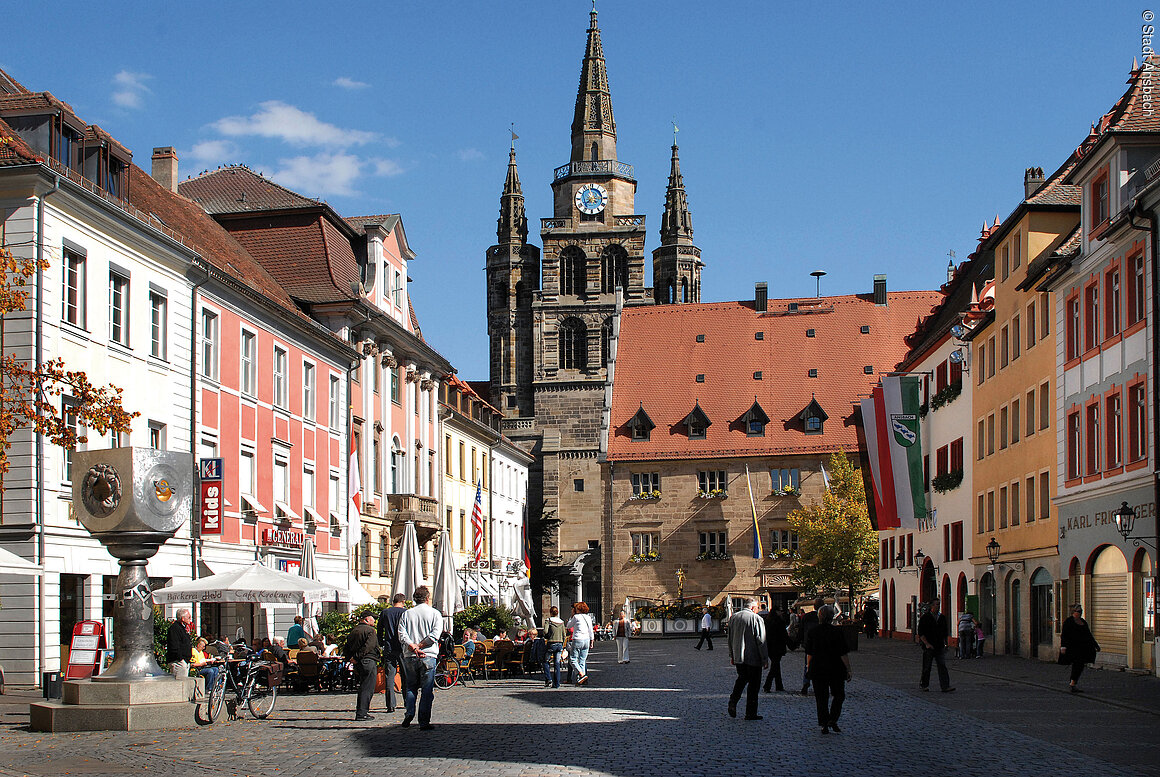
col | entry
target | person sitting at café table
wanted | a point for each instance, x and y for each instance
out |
(331, 648)
(304, 646)
(202, 666)
(468, 641)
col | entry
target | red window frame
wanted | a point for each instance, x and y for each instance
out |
(1113, 430)
(1137, 289)
(1074, 440)
(1091, 316)
(1100, 199)
(1137, 392)
(1092, 425)
(1113, 300)
(1073, 324)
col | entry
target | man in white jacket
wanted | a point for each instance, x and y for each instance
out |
(419, 631)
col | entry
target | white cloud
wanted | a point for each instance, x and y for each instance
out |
(320, 175)
(387, 167)
(469, 154)
(130, 88)
(212, 152)
(349, 83)
(276, 119)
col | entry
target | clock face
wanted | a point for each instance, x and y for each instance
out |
(591, 198)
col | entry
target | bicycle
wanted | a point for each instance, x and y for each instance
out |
(255, 686)
(446, 672)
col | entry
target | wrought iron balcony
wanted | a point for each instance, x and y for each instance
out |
(596, 167)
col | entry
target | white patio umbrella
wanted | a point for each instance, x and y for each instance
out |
(254, 584)
(308, 570)
(446, 598)
(408, 567)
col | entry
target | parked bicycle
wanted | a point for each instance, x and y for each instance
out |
(446, 672)
(253, 681)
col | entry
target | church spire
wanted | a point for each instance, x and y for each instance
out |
(676, 223)
(513, 221)
(593, 128)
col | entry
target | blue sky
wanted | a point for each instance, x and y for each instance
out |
(854, 140)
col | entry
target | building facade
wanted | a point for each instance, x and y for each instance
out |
(1105, 396)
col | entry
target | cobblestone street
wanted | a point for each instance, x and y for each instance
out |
(662, 714)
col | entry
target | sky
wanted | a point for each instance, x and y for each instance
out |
(853, 139)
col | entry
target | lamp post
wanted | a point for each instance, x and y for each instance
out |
(1125, 518)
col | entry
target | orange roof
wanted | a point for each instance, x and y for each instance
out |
(659, 359)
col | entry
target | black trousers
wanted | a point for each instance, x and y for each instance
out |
(749, 680)
(367, 669)
(829, 693)
(939, 658)
(390, 665)
(1076, 671)
(774, 673)
(705, 637)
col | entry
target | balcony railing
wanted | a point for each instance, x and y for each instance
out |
(597, 167)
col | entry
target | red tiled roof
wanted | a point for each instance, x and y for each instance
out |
(13, 150)
(93, 132)
(207, 237)
(388, 220)
(1129, 114)
(658, 360)
(295, 252)
(237, 189)
(1055, 192)
(10, 84)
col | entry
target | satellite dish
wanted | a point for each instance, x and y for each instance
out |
(956, 357)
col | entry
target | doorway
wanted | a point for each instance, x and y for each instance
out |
(1041, 621)
(1014, 618)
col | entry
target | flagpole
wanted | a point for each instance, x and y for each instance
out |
(758, 548)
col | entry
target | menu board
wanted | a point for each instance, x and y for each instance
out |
(84, 655)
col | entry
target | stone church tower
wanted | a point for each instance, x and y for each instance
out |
(551, 321)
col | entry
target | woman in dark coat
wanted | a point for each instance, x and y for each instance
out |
(1077, 646)
(775, 639)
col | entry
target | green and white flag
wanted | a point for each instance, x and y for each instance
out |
(901, 400)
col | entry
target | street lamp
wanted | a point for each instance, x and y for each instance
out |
(993, 556)
(1125, 519)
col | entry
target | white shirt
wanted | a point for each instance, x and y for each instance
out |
(422, 625)
(581, 626)
(706, 622)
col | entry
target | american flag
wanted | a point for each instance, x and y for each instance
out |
(477, 522)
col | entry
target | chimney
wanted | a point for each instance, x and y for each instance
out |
(879, 289)
(165, 167)
(1032, 181)
(761, 297)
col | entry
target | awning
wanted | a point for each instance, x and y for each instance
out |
(11, 564)
(250, 502)
(483, 586)
(287, 512)
(359, 595)
(314, 516)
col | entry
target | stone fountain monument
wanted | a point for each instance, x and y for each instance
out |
(132, 500)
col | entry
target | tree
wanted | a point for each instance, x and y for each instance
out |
(835, 537)
(29, 394)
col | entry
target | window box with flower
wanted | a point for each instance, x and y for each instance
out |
(639, 558)
(782, 554)
(948, 481)
(645, 496)
(716, 493)
(712, 556)
(789, 491)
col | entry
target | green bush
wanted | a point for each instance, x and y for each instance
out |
(338, 624)
(489, 618)
(160, 635)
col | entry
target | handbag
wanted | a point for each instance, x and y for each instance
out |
(381, 681)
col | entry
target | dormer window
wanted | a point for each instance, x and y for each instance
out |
(813, 417)
(754, 420)
(1100, 204)
(640, 426)
(697, 423)
(66, 144)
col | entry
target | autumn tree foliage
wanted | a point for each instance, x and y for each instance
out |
(835, 536)
(30, 395)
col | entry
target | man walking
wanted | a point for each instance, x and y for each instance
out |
(362, 647)
(808, 623)
(775, 645)
(419, 631)
(389, 641)
(706, 630)
(933, 631)
(828, 667)
(746, 634)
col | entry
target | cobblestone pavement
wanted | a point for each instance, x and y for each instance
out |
(663, 714)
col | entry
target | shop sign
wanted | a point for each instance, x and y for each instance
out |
(210, 476)
(283, 538)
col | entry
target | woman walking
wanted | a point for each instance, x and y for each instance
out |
(582, 631)
(1077, 646)
(622, 628)
(828, 666)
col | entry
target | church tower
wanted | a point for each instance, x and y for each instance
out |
(677, 263)
(513, 267)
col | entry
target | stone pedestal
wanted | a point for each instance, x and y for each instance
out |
(116, 706)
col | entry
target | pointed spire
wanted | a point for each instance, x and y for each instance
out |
(593, 124)
(513, 221)
(676, 223)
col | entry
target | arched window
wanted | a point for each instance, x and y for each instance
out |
(684, 289)
(605, 341)
(396, 465)
(613, 269)
(573, 274)
(573, 344)
(594, 152)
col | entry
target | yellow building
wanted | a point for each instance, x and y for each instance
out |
(1012, 376)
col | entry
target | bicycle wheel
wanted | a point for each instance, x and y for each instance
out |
(446, 673)
(261, 699)
(217, 698)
